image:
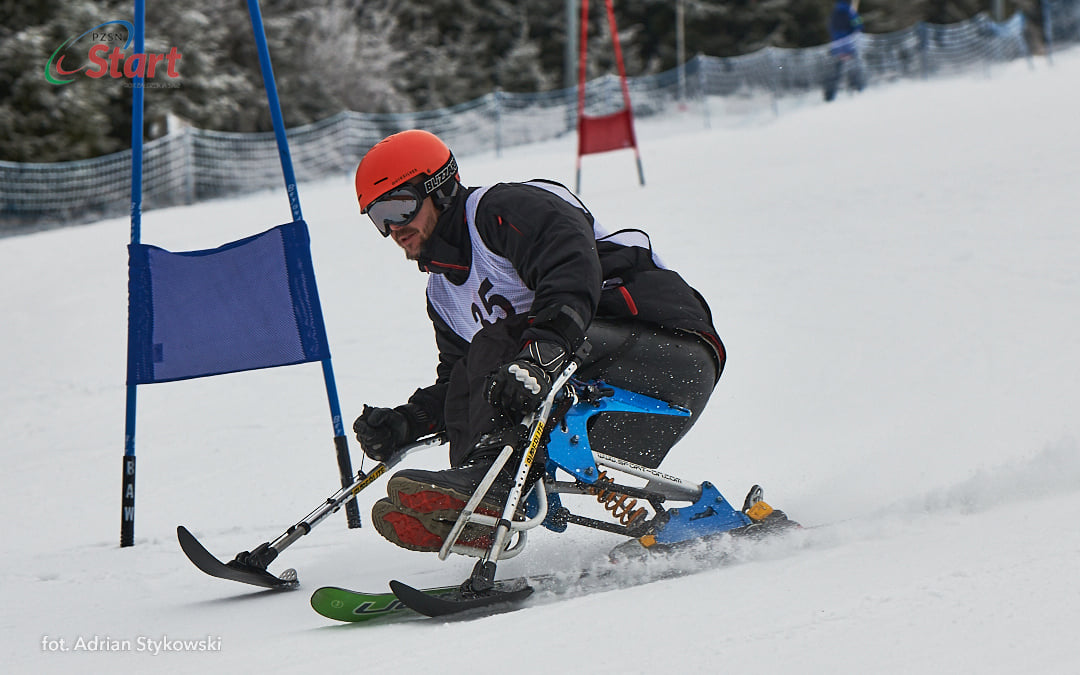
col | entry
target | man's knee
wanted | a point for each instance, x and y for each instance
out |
(678, 368)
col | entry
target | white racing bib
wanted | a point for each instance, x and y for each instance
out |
(493, 290)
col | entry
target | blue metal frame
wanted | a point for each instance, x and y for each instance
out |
(710, 514)
(569, 447)
(569, 450)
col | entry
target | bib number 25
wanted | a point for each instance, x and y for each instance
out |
(491, 301)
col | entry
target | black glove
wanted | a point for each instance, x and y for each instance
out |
(519, 387)
(381, 431)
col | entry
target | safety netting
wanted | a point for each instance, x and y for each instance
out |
(193, 164)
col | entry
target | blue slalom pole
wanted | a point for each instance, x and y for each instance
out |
(341, 444)
(127, 500)
(275, 107)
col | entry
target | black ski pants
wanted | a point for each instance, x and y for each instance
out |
(677, 368)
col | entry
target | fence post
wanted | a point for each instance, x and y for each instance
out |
(774, 79)
(187, 150)
(497, 98)
(923, 31)
(1048, 30)
(703, 87)
(1023, 40)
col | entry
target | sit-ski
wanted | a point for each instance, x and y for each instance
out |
(706, 512)
(563, 421)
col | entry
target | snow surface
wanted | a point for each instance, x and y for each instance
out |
(897, 279)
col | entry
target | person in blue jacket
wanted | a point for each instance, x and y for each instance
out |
(845, 27)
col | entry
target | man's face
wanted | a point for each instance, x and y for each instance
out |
(412, 237)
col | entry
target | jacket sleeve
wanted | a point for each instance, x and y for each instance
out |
(551, 244)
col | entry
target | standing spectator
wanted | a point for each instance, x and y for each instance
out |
(845, 27)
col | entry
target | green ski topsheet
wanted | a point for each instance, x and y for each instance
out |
(342, 604)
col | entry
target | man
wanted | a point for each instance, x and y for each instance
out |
(519, 275)
(845, 26)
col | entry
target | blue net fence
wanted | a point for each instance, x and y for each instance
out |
(192, 164)
(1061, 23)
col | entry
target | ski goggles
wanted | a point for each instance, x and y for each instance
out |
(400, 205)
(397, 207)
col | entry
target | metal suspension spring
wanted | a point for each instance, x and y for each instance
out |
(620, 505)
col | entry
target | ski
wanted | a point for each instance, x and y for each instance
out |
(506, 595)
(406, 602)
(342, 604)
(235, 570)
(635, 562)
(628, 565)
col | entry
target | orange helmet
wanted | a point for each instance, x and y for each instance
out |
(400, 158)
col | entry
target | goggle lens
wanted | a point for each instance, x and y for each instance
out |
(397, 207)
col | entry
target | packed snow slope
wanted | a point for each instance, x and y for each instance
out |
(897, 279)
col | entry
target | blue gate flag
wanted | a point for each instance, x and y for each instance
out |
(248, 304)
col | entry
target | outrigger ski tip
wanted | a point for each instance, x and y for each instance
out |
(249, 567)
(234, 570)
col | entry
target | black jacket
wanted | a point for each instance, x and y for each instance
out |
(574, 277)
